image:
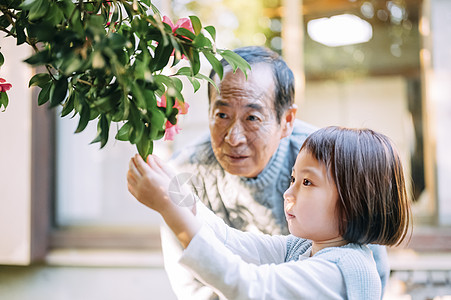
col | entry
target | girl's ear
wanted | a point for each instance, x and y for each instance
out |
(287, 121)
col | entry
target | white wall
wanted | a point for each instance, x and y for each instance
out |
(15, 151)
(439, 102)
(378, 103)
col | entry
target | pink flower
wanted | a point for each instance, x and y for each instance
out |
(172, 129)
(181, 106)
(181, 23)
(4, 86)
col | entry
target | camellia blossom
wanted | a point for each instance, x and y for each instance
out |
(181, 23)
(4, 86)
(181, 106)
(172, 129)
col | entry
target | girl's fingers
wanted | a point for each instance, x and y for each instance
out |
(164, 167)
(132, 168)
(151, 162)
(140, 165)
(131, 179)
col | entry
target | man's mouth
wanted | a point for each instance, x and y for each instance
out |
(236, 157)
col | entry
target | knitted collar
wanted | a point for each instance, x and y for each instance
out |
(272, 170)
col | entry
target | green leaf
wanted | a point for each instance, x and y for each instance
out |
(177, 83)
(212, 31)
(43, 32)
(178, 52)
(195, 83)
(37, 8)
(68, 105)
(136, 123)
(186, 71)
(215, 63)
(195, 62)
(202, 76)
(71, 64)
(2, 59)
(123, 134)
(103, 128)
(154, 8)
(28, 4)
(172, 117)
(21, 37)
(201, 41)
(197, 25)
(114, 17)
(138, 95)
(185, 33)
(3, 100)
(58, 92)
(85, 114)
(161, 59)
(67, 6)
(145, 147)
(4, 21)
(157, 121)
(40, 58)
(151, 100)
(117, 41)
(108, 102)
(39, 79)
(54, 15)
(44, 94)
(172, 86)
(235, 61)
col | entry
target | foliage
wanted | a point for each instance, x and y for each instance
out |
(104, 62)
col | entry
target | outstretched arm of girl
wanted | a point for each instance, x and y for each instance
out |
(148, 183)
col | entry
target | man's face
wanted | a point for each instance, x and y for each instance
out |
(243, 124)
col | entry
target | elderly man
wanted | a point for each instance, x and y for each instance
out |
(243, 167)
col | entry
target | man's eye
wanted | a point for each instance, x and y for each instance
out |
(252, 118)
(292, 179)
(221, 115)
(306, 182)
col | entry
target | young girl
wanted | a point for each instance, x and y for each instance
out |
(347, 190)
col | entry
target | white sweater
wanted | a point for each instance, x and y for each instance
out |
(241, 265)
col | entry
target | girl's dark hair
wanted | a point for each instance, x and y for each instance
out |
(283, 77)
(372, 205)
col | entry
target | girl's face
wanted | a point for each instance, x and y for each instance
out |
(310, 201)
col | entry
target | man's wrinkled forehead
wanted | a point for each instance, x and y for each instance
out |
(265, 86)
(256, 92)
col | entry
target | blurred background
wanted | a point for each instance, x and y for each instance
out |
(70, 230)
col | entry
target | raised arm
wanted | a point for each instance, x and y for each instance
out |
(256, 248)
(149, 183)
(232, 277)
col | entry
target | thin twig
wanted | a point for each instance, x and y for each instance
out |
(85, 82)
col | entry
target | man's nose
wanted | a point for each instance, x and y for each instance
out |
(235, 135)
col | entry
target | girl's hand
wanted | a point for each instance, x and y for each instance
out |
(149, 182)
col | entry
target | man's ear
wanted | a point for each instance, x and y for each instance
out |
(287, 121)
